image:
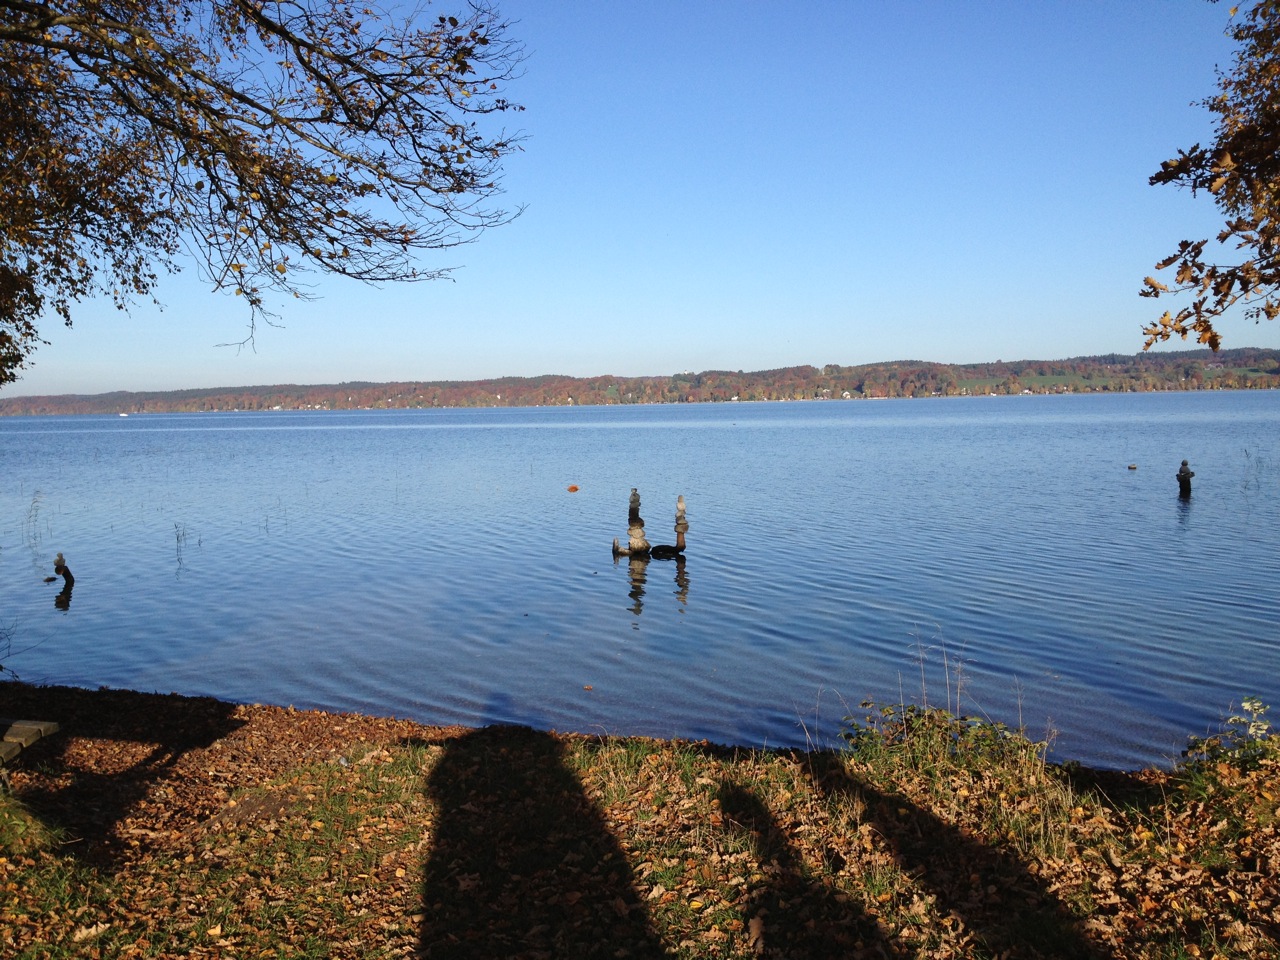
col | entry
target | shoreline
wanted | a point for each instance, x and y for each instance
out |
(1160, 371)
(810, 744)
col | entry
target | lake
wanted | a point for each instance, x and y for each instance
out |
(995, 555)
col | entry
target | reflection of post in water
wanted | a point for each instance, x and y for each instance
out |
(640, 551)
(682, 581)
(637, 567)
(638, 572)
(63, 600)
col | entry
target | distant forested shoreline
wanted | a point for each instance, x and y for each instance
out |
(1243, 368)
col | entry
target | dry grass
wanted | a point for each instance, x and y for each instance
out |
(157, 827)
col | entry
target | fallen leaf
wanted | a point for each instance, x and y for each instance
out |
(84, 933)
(755, 933)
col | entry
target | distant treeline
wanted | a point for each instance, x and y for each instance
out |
(1245, 368)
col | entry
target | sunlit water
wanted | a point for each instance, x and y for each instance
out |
(996, 553)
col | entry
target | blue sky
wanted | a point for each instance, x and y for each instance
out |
(717, 185)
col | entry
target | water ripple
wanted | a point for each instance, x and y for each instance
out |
(997, 557)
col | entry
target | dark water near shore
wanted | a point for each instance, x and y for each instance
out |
(433, 564)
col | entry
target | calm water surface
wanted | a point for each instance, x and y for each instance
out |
(434, 565)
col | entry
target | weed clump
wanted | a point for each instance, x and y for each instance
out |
(1244, 741)
(978, 772)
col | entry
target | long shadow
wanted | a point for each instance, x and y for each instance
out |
(792, 915)
(521, 864)
(1008, 909)
(153, 732)
(1116, 788)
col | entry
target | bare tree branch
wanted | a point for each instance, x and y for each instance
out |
(267, 137)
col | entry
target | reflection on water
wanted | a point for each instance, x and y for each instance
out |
(843, 551)
(638, 571)
(682, 580)
(1184, 509)
(637, 567)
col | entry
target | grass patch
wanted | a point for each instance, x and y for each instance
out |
(304, 835)
(970, 771)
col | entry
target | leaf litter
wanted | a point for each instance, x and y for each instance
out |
(158, 826)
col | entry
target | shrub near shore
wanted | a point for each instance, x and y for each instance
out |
(166, 826)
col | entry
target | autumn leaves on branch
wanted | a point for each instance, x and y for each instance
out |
(264, 139)
(1241, 170)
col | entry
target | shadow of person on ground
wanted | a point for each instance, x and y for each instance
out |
(1008, 910)
(521, 863)
(1119, 789)
(152, 733)
(791, 915)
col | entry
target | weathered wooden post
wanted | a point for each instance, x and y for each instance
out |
(664, 551)
(63, 599)
(637, 545)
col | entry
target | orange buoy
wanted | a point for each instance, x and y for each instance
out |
(573, 488)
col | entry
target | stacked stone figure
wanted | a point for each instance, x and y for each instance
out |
(637, 545)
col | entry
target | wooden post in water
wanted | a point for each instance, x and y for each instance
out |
(63, 599)
(637, 545)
